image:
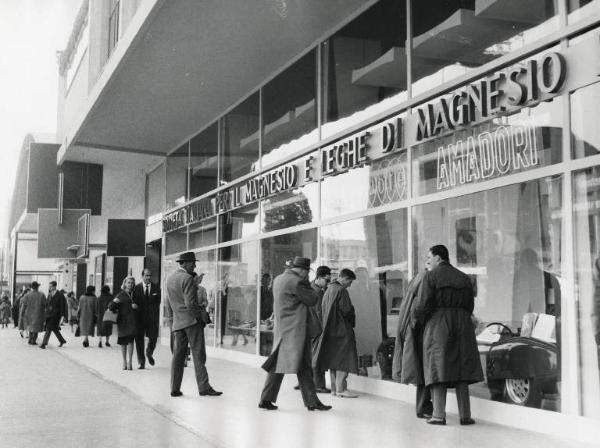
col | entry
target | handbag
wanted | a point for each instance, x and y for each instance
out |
(110, 316)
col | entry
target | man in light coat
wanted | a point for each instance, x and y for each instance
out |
(184, 309)
(33, 312)
(292, 344)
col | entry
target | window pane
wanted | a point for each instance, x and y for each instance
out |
(238, 223)
(176, 241)
(177, 170)
(526, 140)
(375, 247)
(206, 264)
(291, 208)
(453, 37)
(240, 140)
(275, 252)
(364, 64)
(587, 243)
(203, 162)
(508, 240)
(585, 132)
(203, 233)
(236, 297)
(156, 193)
(290, 110)
(580, 9)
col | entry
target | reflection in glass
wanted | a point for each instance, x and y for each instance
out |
(291, 208)
(453, 37)
(587, 243)
(240, 140)
(375, 247)
(509, 241)
(203, 233)
(237, 297)
(585, 132)
(176, 241)
(290, 110)
(155, 193)
(275, 252)
(580, 9)
(203, 161)
(206, 265)
(177, 176)
(363, 64)
(238, 223)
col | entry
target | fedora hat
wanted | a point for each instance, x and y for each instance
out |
(35, 284)
(186, 256)
(300, 262)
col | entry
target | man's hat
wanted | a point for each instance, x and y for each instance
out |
(53, 283)
(300, 262)
(186, 256)
(35, 284)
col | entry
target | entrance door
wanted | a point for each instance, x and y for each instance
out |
(152, 260)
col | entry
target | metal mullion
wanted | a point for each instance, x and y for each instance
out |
(408, 47)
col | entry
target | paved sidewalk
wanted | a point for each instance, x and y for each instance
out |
(95, 392)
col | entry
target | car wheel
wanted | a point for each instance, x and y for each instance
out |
(523, 392)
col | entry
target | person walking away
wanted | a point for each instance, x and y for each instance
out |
(125, 307)
(336, 349)
(450, 356)
(87, 314)
(187, 327)
(73, 307)
(146, 296)
(104, 328)
(55, 312)
(32, 312)
(291, 353)
(5, 311)
(407, 364)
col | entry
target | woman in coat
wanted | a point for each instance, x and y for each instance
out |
(87, 314)
(104, 328)
(123, 305)
(73, 308)
(5, 311)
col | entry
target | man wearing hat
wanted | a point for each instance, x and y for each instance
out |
(184, 308)
(293, 295)
(33, 312)
(56, 307)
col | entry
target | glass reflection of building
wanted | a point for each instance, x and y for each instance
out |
(527, 233)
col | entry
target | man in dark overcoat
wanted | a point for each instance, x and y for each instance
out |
(32, 312)
(293, 296)
(407, 365)
(450, 356)
(336, 349)
(55, 310)
(319, 285)
(146, 295)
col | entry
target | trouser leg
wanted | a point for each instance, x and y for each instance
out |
(332, 381)
(307, 386)
(46, 337)
(59, 336)
(195, 334)
(423, 401)
(180, 343)
(318, 378)
(271, 387)
(438, 391)
(33, 335)
(139, 347)
(151, 345)
(463, 400)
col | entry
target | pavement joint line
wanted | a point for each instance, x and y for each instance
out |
(159, 409)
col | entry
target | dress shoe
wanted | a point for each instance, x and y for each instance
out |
(176, 393)
(86, 344)
(347, 394)
(100, 344)
(297, 387)
(42, 346)
(62, 343)
(150, 359)
(322, 390)
(436, 421)
(424, 415)
(107, 344)
(210, 392)
(467, 421)
(319, 407)
(267, 405)
(141, 367)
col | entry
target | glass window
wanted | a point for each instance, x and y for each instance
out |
(382, 182)
(375, 247)
(364, 64)
(237, 297)
(291, 208)
(206, 264)
(240, 140)
(177, 176)
(238, 223)
(275, 252)
(453, 37)
(579, 9)
(520, 142)
(155, 193)
(585, 132)
(290, 110)
(176, 241)
(203, 161)
(508, 240)
(587, 253)
(203, 233)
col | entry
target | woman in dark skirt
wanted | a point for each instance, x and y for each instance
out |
(104, 328)
(124, 306)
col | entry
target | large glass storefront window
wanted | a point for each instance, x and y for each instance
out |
(203, 234)
(239, 223)
(275, 253)
(155, 193)
(376, 248)
(509, 241)
(364, 66)
(236, 297)
(585, 132)
(587, 244)
(292, 208)
(203, 161)
(176, 241)
(177, 176)
(453, 37)
(290, 110)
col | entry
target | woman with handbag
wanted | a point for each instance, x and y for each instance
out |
(104, 326)
(123, 305)
(87, 314)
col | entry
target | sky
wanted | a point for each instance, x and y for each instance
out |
(31, 32)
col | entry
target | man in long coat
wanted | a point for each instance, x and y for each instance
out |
(32, 312)
(291, 343)
(336, 349)
(450, 356)
(319, 285)
(146, 295)
(407, 365)
(56, 308)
